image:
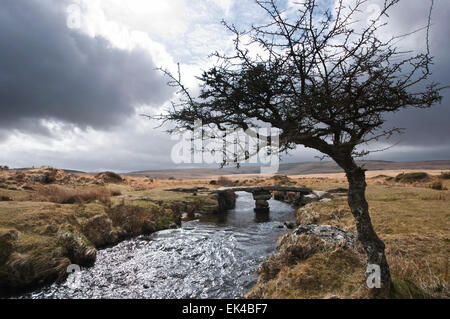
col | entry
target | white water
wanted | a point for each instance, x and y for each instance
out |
(215, 257)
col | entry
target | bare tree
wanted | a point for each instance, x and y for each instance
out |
(324, 83)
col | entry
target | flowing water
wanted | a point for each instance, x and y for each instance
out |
(214, 257)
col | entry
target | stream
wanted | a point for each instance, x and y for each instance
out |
(214, 257)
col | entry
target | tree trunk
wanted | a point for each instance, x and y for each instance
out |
(372, 244)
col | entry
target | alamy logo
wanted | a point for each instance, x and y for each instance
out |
(373, 275)
(74, 279)
(206, 145)
(374, 12)
(73, 16)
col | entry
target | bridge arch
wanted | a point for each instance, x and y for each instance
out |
(261, 194)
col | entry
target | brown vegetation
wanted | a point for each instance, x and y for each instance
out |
(437, 185)
(225, 181)
(109, 177)
(115, 192)
(412, 177)
(445, 175)
(307, 267)
(136, 220)
(282, 180)
(412, 219)
(44, 227)
(65, 195)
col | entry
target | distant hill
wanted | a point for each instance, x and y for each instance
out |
(73, 171)
(304, 168)
(65, 170)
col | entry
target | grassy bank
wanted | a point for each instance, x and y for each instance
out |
(410, 216)
(50, 219)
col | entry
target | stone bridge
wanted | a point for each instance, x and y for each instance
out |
(261, 195)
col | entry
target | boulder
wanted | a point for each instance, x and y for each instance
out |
(320, 194)
(261, 206)
(261, 203)
(309, 199)
(39, 178)
(327, 233)
(47, 178)
(262, 195)
(290, 225)
(226, 200)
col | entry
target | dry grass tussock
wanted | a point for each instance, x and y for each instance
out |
(414, 223)
(412, 177)
(225, 181)
(415, 179)
(308, 267)
(445, 175)
(66, 195)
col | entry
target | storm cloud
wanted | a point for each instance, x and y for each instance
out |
(70, 98)
(50, 72)
(430, 127)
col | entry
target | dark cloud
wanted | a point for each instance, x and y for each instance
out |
(48, 71)
(425, 127)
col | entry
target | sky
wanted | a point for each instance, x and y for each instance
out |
(75, 75)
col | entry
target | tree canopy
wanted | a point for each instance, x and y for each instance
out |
(326, 80)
